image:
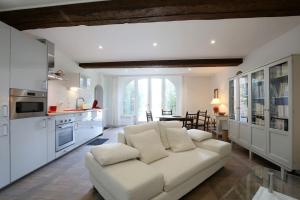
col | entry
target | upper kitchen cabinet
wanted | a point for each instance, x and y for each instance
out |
(78, 80)
(29, 67)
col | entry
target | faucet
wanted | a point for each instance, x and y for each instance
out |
(77, 102)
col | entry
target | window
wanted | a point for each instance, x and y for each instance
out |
(129, 99)
(170, 96)
(148, 93)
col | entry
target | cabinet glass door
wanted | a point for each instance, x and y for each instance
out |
(279, 94)
(258, 98)
(232, 99)
(244, 99)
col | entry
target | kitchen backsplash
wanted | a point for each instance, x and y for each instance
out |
(60, 94)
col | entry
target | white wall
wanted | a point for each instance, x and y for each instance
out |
(283, 46)
(197, 93)
(58, 91)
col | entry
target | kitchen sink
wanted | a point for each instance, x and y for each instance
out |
(75, 110)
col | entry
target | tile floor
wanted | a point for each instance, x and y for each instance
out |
(68, 179)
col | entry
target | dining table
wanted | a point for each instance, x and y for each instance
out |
(172, 118)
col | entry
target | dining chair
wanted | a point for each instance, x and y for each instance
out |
(203, 120)
(149, 116)
(191, 120)
(211, 125)
(166, 112)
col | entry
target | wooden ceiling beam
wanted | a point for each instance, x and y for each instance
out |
(224, 62)
(137, 11)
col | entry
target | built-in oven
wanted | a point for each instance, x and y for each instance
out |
(27, 103)
(64, 133)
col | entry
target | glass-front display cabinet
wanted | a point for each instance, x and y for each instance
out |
(243, 114)
(232, 99)
(258, 98)
(279, 97)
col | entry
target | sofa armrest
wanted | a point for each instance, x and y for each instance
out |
(218, 146)
(129, 180)
(121, 138)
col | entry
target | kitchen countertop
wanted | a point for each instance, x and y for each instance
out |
(72, 112)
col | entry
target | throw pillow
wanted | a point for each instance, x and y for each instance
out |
(199, 135)
(163, 126)
(136, 129)
(149, 145)
(179, 139)
(108, 154)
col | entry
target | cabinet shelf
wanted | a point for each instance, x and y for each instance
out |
(279, 77)
(279, 117)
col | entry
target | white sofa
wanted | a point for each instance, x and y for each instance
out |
(168, 178)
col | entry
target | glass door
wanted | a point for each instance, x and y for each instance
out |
(243, 82)
(232, 99)
(142, 99)
(156, 96)
(279, 96)
(258, 98)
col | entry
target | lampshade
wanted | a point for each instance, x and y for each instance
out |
(223, 108)
(215, 101)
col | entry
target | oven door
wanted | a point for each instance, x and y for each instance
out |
(24, 107)
(64, 136)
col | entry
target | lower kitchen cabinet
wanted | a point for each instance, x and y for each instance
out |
(4, 155)
(88, 125)
(234, 128)
(28, 145)
(51, 139)
(245, 135)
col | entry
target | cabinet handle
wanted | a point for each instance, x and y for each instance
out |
(45, 85)
(5, 130)
(5, 111)
(44, 123)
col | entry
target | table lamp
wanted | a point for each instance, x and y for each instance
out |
(215, 102)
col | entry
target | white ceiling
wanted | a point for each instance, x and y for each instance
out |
(176, 40)
(23, 4)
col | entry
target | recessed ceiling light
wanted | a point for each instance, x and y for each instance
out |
(100, 47)
(190, 69)
(212, 41)
(155, 44)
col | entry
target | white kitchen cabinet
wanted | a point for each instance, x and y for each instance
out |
(4, 105)
(28, 62)
(244, 138)
(233, 122)
(88, 125)
(78, 80)
(258, 114)
(28, 145)
(273, 112)
(234, 129)
(51, 139)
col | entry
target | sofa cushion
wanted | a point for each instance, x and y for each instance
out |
(220, 147)
(130, 180)
(149, 145)
(163, 126)
(199, 135)
(136, 129)
(179, 139)
(107, 154)
(179, 167)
